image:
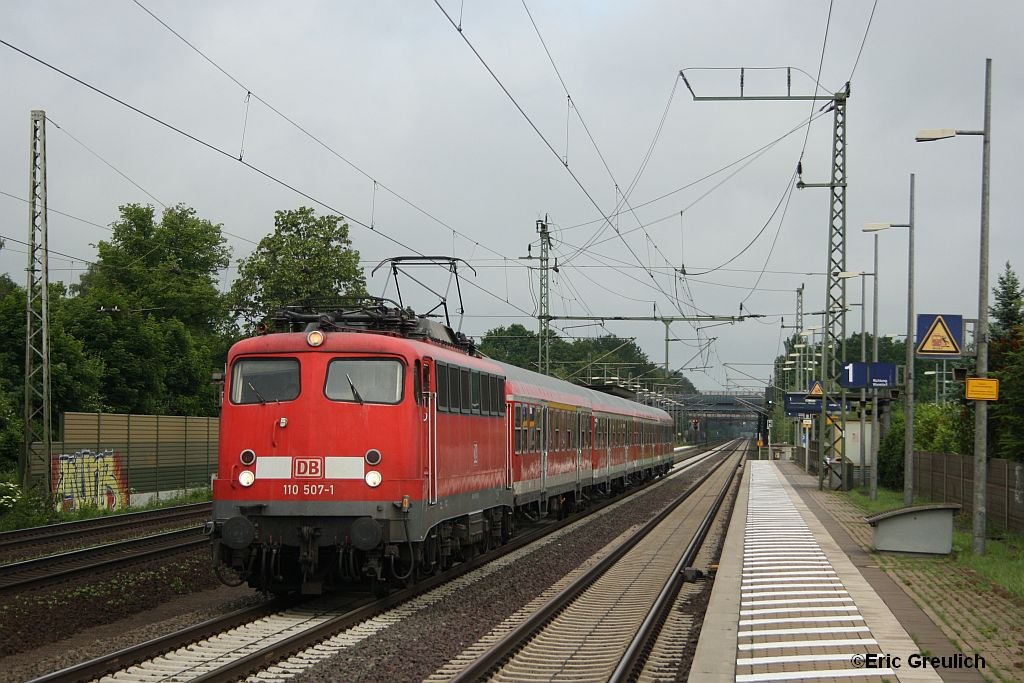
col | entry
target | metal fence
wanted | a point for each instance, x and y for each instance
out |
(112, 460)
(949, 478)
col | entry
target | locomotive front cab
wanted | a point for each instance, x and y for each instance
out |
(320, 461)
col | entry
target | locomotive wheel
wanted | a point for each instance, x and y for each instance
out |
(430, 563)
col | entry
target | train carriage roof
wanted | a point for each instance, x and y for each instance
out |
(523, 383)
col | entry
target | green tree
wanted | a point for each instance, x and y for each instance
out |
(75, 374)
(130, 345)
(1007, 415)
(306, 257)
(514, 344)
(168, 269)
(150, 311)
(1008, 311)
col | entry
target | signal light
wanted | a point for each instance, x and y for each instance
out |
(315, 338)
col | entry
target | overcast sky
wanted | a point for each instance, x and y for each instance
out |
(398, 96)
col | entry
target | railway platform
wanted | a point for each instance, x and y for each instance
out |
(796, 599)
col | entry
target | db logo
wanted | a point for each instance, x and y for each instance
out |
(308, 468)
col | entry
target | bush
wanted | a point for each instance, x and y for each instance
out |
(23, 509)
(890, 454)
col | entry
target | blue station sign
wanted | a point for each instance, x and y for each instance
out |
(797, 404)
(868, 376)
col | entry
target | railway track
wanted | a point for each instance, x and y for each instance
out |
(238, 651)
(598, 627)
(18, 576)
(100, 527)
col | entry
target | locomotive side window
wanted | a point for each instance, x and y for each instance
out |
(364, 380)
(485, 395)
(466, 394)
(442, 386)
(417, 382)
(263, 380)
(498, 386)
(474, 404)
(454, 383)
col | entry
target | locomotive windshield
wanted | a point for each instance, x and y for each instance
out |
(364, 380)
(264, 380)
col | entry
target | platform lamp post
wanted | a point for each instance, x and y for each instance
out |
(981, 334)
(863, 359)
(875, 436)
(908, 446)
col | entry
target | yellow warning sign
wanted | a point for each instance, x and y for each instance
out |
(816, 391)
(982, 389)
(938, 340)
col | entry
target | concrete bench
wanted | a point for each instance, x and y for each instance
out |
(915, 529)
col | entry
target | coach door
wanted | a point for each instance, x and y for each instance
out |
(429, 429)
(544, 442)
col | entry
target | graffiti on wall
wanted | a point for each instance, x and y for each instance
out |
(90, 478)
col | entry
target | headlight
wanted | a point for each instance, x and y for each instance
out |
(246, 478)
(315, 338)
(373, 479)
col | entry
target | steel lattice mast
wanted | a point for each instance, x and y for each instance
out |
(37, 314)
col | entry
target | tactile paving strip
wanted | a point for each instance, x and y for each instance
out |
(797, 620)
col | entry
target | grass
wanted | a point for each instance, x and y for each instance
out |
(887, 500)
(1001, 566)
(19, 510)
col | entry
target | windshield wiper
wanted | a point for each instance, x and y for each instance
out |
(355, 392)
(255, 391)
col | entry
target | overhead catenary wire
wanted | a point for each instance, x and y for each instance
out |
(253, 95)
(107, 163)
(224, 153)
(533, 125)
(863, 40)
(817, 79)
(759, 232)
(803, 122)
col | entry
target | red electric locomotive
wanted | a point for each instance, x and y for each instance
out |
(374, 444)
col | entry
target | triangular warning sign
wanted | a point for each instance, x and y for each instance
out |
(815, 391)
(938, 340)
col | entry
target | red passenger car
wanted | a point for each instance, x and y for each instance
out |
(374, 444)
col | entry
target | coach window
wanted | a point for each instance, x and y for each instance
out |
(553, 431)
(364, 380)
(519, 429)
(265, 380)
(499, 394)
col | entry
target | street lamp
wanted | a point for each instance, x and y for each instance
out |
(908, 433)
(940, 376)
(981, 335)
